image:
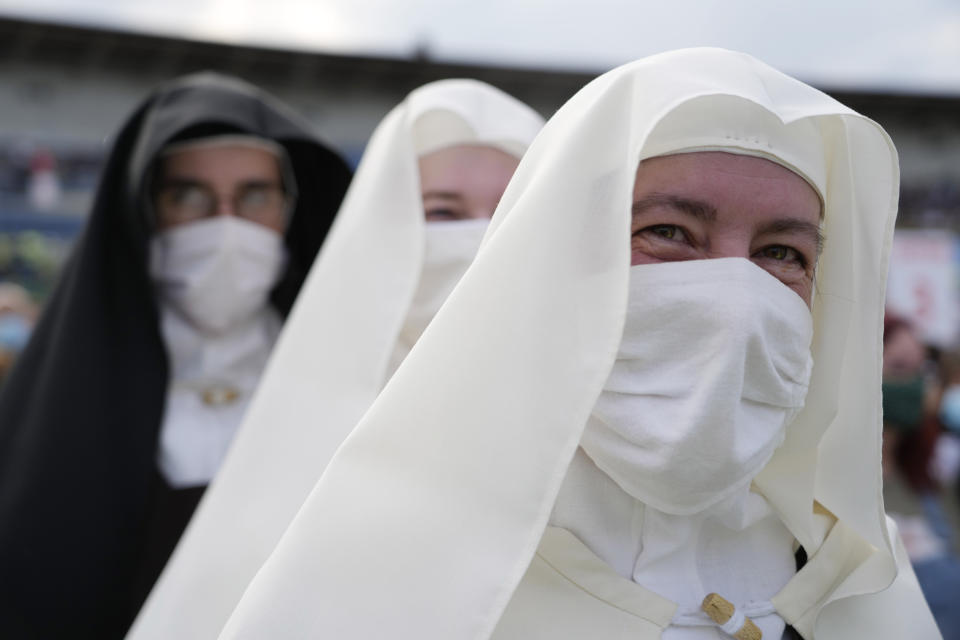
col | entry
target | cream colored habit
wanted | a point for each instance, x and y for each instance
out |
(426, 521)
(333, 355)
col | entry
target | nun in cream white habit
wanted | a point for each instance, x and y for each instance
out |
(412, 220)
(650, 409)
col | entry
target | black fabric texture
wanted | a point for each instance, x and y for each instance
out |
(81, 410)
(171, 511)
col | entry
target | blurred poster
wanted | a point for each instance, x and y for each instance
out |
(923, 283)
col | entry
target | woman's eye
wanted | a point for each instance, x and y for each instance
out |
(256, 196)
(441, 214)
(783, 254)
(190, 197)
(665, 231)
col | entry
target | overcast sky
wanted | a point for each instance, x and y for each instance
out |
(910, 45)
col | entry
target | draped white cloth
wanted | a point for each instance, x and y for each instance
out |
(427, 518)
(712, 367)
(738, 548)
(332, 357)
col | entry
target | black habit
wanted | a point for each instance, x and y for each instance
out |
(86, 523)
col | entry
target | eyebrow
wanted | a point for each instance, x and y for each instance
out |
(696, 208)
(260, 182)
(192, 182)
(445, 195)
(704, 211)
(179, 182)
(797, 227)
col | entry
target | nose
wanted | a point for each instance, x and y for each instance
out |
(730, 246)
(225, 206)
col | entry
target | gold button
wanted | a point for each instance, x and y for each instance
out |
(219, 396)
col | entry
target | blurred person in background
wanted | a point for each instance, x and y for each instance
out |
(651, 407)
(914, 402)
(18, 313)
(946, 463)
(32, 260)
(213, 203)
(911, 392)
(430, 178)
(43, 187)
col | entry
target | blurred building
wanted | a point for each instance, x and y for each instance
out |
(64, 90)
(66, 87)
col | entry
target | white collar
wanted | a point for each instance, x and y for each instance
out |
(737, 548)
(211, 381)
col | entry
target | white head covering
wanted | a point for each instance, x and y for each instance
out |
(427, 517)
(332, 356)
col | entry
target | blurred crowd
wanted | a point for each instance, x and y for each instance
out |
(921, 459)
(44, 193)
(47, 179)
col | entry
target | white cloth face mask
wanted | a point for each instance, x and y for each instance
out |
(449, 248)
(713, 365)
(216, 272)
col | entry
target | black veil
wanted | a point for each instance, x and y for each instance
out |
(81, 410)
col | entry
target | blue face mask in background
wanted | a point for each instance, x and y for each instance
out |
(950, 409)
(14, 332)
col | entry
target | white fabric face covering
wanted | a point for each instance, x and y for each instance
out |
(713, 365)
(449, 248)
(216, 272)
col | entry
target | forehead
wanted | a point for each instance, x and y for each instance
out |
(466, 164)
(237, 162)
(728, 181)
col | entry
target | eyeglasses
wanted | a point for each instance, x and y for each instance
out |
(179, 202)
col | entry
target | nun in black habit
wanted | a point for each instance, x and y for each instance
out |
(89, 512)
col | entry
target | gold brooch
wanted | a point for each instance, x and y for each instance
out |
(219, 396)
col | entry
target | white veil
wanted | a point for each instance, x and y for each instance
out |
(427, 517)
(331, 358)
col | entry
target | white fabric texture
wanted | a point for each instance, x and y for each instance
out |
(195, 434)
(448, 249)
(604, 517)
(333, 355)
(737, 548)
(217, 272)
(427, 518)
(713, 365)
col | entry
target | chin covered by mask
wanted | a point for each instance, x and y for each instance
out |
(449, 248)
(216, 272)
(713, 366)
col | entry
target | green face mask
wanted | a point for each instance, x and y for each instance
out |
(903, 403)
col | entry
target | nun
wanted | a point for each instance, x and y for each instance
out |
(650, 408)
(213, 203)
(430, 178)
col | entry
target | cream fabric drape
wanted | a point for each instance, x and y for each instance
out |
(331, 358)
(429, 514)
